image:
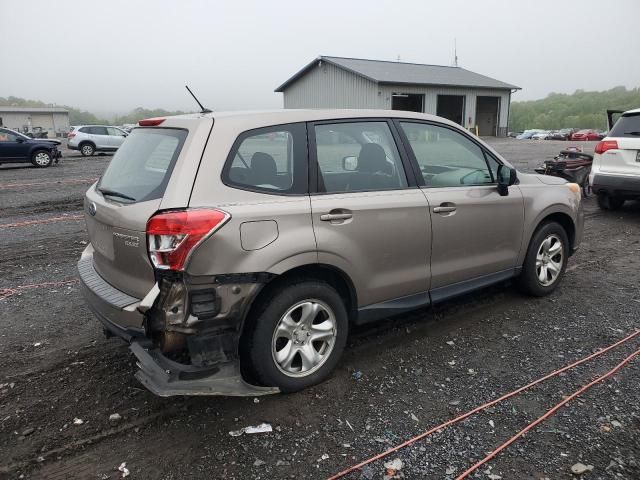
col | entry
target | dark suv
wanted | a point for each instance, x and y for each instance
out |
(17, 148)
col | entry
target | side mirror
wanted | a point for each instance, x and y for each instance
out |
(507, 176)
(19, 139)
(350, 163)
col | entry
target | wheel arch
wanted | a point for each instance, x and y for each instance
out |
(90, 142)
(563, 219)
(330, 274)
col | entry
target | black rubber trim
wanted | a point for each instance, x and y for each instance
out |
(105, 291)
(443, 293)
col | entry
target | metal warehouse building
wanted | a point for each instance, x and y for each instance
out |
(460, 95)
(53, 120)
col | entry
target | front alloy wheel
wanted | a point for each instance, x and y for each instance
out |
(304, 338)
(42, 159)
(546, 260)
(549, 260)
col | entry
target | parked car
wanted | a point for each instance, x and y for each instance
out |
(237, 265)
(17, 148)
(541, 135)
(95, 138)
(527, 134)
(585, 135)
(562, 134)
(615, 174)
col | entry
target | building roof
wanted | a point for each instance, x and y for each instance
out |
(12, 109)
(386, 72)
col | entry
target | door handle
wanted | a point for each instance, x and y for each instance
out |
(328, 217)
(444, 209)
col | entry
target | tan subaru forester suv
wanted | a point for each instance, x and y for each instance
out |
(234, 251)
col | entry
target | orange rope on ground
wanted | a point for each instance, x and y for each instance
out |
(480, 408)
(6, 292)
(549, 413)
(46, 220)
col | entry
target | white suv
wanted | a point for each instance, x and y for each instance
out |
(95, 138)
(615, 174)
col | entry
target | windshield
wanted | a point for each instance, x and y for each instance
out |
(626, 126)
(141, 168)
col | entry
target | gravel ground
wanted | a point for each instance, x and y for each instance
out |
(60, 380)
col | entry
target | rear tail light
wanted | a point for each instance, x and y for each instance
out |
(151, 122)
(173, 235)
(71, 134)
(606, 145)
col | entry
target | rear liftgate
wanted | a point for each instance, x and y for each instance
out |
(192, 324)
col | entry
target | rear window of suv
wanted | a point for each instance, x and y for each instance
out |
(626, 126)
(142, 166)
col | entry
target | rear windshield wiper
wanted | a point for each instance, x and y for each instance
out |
(113, 193)
(637, 134)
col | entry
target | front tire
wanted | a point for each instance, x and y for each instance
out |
(296, 335)
(546, 260)
(87, 149)
(609, 202)
(41, 159)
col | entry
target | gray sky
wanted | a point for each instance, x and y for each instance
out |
(112, 56)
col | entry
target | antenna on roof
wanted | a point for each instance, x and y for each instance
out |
(455, 53)
(202, 109)
(398, 59)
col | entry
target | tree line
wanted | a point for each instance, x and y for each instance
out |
(83, 117)
(581, 109)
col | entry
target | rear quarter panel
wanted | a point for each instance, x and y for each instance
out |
(294, 243)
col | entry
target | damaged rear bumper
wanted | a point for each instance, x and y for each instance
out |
(210, 334)
(165, 377)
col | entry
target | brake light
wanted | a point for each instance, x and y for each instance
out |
(151, 122)
(71, 134)
(606, 145)
(173, 235)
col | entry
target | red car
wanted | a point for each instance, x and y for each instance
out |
(585, 135)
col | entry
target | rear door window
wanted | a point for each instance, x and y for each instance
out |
(272, 160)
(357, 157)
(626, 126)
(142, 166)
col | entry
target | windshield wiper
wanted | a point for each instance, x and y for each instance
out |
(113, 193)
(637, 134)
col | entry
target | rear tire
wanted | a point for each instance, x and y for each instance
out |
(87, 149)
(546, 260)
(41, 159)
(609, 202)
(295, 335)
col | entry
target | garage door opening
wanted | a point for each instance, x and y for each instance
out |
(409, 102)
(487, 112)
(451, 107)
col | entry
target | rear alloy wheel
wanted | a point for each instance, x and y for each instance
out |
(609, 202)
(546, 260)
(304, 338)
(87, 149)
(41, 159)
(298, 338)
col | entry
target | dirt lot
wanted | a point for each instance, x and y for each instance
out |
(60, 380)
